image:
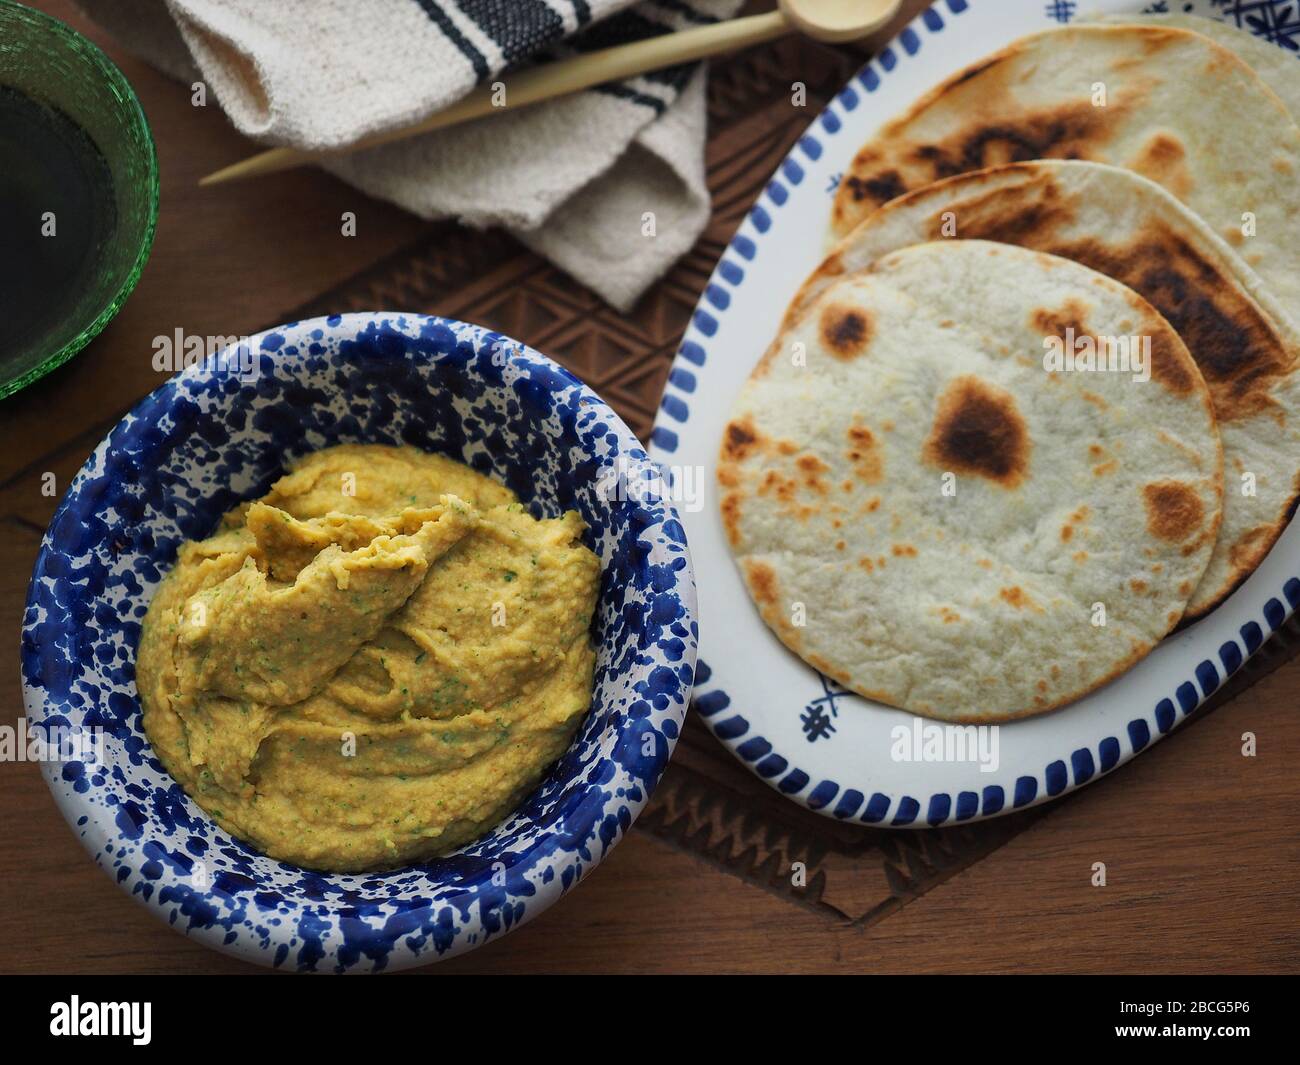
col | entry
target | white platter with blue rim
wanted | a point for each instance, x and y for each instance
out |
(836, 752)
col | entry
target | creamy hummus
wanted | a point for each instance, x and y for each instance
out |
(374, 662)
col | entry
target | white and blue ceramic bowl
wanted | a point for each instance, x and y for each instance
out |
(211, 437)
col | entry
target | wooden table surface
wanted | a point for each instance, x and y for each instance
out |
(1200, 844)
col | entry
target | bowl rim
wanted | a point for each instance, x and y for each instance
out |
(668, 721)
(117, 81)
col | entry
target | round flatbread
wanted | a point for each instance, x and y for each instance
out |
(1125, 226)
(925, 513)
(1167, 103)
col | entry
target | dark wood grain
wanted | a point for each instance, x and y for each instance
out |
(1201, 854)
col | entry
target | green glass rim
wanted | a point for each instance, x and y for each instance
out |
(114, 77)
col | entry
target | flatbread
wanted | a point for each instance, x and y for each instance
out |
(1123, 225)
(1278, 68)
(1074, 492)
(1179, 109)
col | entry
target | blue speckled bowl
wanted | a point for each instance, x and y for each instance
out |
(209, 438)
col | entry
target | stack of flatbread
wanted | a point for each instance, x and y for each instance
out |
(1041, 403)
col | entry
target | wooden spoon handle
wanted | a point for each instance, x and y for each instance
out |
(596, 68)
(545, 82)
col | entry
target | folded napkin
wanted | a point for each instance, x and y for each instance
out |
(573, 178)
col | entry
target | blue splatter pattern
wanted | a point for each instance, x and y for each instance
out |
(212, 437)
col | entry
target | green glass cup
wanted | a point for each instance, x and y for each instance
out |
(78, 193)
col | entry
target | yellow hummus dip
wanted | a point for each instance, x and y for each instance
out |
(374, 662)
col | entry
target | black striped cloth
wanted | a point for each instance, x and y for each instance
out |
(528, 31)
(575, 178)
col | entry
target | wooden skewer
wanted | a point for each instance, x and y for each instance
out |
(826, 20)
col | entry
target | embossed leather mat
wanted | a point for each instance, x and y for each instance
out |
(707, 803)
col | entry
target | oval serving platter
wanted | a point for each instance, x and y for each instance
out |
(833, 751)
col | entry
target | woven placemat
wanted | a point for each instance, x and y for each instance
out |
(707, 804)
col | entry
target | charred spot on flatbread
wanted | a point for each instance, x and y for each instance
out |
(1171, 363)
(1060, 132)
(846, 331)
(762, 581)
(810, 470)
(1252, 546)
(978, 430)
(1174, 510)
(740, 440)
(731, 517)
(864, 452)
(1071, 316)
(1163, 159)
(878, 188)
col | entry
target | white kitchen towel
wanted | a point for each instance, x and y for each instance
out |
(608, 183)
